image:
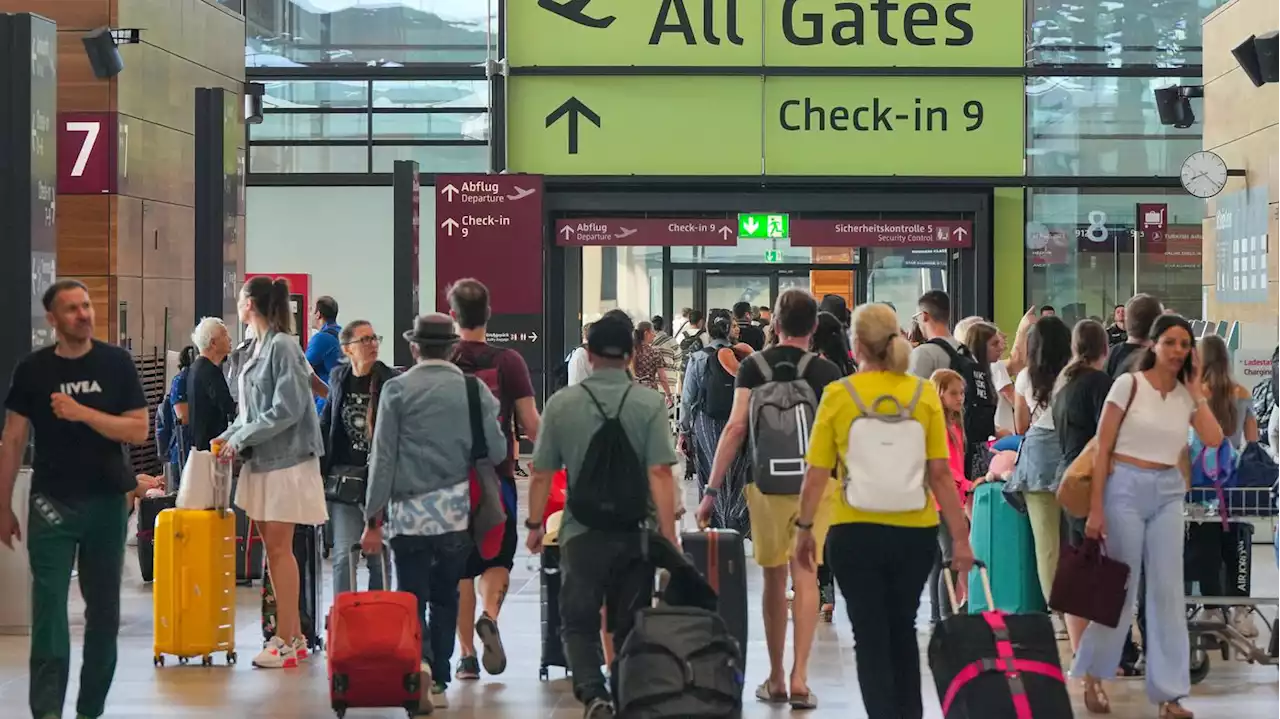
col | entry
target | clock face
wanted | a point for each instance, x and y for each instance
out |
(1204, 174)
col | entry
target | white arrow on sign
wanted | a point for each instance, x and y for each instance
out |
(449, 191)
(567, 232)
(449, 225)
(533, 336)
(750, 225)
(725, 232)
(959, 232)
(521, 193)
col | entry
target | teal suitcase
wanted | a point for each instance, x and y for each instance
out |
(1001, 537)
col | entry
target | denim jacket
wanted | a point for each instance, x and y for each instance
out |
(694, 376)
(422, 440)
(277, 426)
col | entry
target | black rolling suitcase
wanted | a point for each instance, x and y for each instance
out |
(552, 648)
(720, 557)
(307, 546)
(250, 551)
(148, 509)
(997, 666)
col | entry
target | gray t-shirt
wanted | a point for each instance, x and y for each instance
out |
(928, 358)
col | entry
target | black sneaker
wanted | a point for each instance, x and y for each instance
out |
(495, 657)
(598, 709)
(468, 669)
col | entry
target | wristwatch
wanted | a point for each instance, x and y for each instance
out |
(532, 524)
(710, 491)
(804, 526)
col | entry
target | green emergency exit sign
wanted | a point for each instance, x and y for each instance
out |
(763, 226)
(773, 256)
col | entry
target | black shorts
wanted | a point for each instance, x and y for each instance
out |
(506, 558)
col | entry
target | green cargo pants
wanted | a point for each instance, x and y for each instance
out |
(90, 533)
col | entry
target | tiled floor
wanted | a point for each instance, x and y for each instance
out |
(187, 692)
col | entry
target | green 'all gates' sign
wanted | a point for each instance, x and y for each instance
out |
(870, 126)
(772, 33)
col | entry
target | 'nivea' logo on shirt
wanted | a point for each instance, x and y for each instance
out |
(89, 386)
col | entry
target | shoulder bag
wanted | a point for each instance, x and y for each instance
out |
(1075, 492)
(347, 483)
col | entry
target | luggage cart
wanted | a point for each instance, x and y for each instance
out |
(1210, 618)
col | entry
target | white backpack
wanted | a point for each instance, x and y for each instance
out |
(885, 459)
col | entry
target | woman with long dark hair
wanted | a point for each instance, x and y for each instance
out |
(1231, 403)
(707, 400)
(1036, 475)
(647, 365)
(831, 341)
(1136, 506)
(1078, 399)
(280, 486)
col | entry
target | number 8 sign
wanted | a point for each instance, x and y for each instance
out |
(87, 152)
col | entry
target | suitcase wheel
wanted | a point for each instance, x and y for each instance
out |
(339, 687)
(231, 658)
(158, 660)
(183, 660)
(206, 661)
(340, 710)
(543, 674)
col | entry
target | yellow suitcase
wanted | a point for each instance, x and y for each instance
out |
(194, 593)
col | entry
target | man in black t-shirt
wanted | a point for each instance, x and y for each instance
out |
(210, 408)
(84, 402)
(749, 334)
(1139, 314)
(773, 516)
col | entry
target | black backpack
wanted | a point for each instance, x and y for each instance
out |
(611, 490)
(689, 344)
(980, 398)
(717, 388)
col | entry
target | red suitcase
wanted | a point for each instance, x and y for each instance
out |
(375, 650)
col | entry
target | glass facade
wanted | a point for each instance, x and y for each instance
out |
(1080, 241)
(408, 98)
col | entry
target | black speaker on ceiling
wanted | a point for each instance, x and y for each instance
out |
(104, 56)
(1268, 47)
(1174, 107)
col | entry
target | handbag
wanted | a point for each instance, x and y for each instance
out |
(206, 482)
(346, 484)
(1090, 585)
(1075, 492)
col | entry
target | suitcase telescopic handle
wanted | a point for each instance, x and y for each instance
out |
(951, 585)
(384, 559)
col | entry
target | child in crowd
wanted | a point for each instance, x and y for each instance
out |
(950, 386)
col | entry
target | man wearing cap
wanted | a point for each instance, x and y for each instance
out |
(590, 558)
(419, 495)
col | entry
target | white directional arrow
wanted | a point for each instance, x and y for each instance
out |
(725, 232)
(751, 225)
(449, 192)
(449, 225)
(959, 232)
(567, 232)
(533, 336)
(521, 193)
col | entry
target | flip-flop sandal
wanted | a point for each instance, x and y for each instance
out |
(804, 701)
(763, 694)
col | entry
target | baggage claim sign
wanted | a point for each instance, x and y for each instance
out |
(779, 87)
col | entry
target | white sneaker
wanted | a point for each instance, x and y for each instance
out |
(1242, 620)
(276, 655)
(300, 649)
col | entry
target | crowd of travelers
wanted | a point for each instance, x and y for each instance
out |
(939, 396)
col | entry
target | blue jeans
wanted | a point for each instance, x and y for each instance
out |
(347, 523)
(430, 568)
(1144, 528)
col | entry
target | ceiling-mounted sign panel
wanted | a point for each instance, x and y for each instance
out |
(775, 33)
(868, 126)
(645, 126)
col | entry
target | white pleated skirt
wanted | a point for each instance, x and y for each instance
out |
(293, 494)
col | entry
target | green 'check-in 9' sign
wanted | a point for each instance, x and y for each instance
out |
(763, 226)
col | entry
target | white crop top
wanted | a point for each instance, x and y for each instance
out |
(1155, 428)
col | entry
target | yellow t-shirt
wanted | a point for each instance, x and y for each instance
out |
(830, 437)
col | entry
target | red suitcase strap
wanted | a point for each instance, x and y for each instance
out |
(1005, 662)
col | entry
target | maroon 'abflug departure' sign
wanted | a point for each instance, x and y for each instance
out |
(489, 227)
(881, 233)
(645, 232)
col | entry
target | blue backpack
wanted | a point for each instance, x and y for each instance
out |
(166, 421)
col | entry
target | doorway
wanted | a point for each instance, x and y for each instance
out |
(707, 287)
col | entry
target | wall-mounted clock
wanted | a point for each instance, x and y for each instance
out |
(1204, 174)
